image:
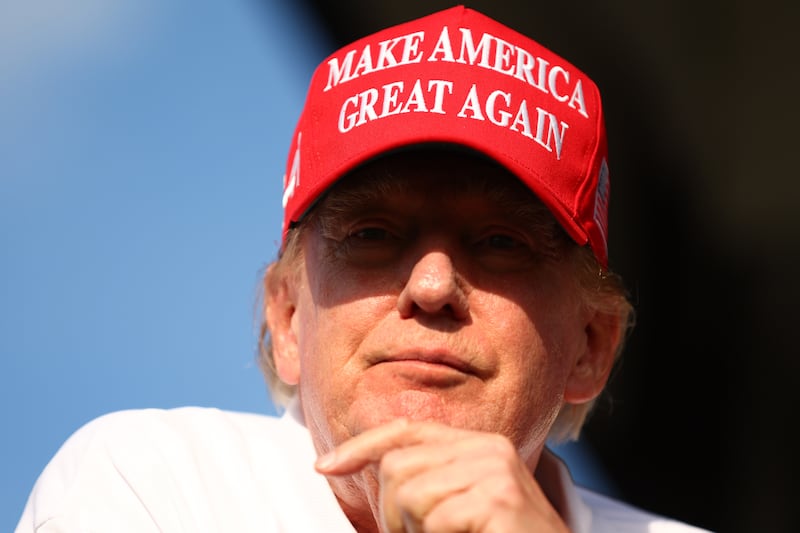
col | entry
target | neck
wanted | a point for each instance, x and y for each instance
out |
(358, 496)
(549, 475)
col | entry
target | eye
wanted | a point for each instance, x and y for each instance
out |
(502, 242)
(370, 243)
(504, 249)
(370, 234)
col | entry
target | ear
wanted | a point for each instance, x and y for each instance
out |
(280, 299)
(592, 368)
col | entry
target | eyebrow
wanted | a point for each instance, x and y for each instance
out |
(364, 189)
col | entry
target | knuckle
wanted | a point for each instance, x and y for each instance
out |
(506, 490)
(502, 447)
(404, 496)
(392, 463)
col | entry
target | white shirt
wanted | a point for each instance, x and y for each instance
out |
(199, 470)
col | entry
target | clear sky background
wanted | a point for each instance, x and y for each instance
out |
(142, 145)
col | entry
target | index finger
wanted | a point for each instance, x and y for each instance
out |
(370, 446)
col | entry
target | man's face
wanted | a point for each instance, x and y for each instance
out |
(443, 294)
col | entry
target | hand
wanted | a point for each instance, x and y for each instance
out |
(436, 478)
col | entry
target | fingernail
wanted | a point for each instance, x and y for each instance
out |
(324, 462)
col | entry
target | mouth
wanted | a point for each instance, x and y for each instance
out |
(430, 368)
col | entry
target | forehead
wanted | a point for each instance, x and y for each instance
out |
(450, 187)
(434, 176)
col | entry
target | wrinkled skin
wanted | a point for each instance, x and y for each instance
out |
(439, 308)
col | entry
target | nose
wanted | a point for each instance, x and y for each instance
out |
(434, 287)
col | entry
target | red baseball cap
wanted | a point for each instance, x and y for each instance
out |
(459, 77)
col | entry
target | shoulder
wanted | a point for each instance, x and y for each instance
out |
(610, 515)
(156, 466)
(140, 437)
(184, 421)
(139, 434)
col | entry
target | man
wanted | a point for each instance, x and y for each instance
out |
(441, 307)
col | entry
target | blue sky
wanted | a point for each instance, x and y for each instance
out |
(142, 145)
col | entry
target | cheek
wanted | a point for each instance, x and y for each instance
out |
(546, 334)
(341, 306)
(529, 390)
(329, 338)
(330, 367)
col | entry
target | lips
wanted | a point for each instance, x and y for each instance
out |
(431, 358)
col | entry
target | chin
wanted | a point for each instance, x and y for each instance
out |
(419, 405)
